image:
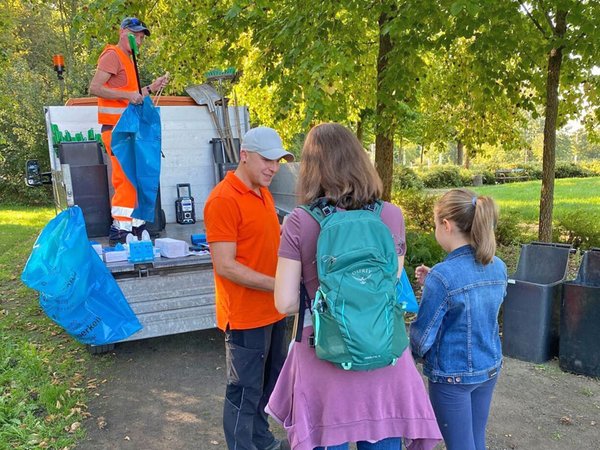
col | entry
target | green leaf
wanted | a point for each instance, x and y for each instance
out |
(233, 12)
(456, 8)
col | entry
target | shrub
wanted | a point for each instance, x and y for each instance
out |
(570, 170)
(488, 177)
(507, 231)
(417, 207)
(592, 167)
(533, 170)
(466, 177)
(442, 177)
(405, 178)
(577, 229)
(421, 248)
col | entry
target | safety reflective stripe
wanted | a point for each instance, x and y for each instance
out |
(124, 218)
(122, 225)
(109, 110)
(121, 211)
(127, 225)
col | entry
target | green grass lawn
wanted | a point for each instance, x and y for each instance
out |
(571, 195)
(43, 371)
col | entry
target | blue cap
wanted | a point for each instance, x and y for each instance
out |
(134, 24)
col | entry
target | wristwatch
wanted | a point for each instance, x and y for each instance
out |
(149, 90)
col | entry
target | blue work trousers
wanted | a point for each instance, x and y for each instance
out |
(254, 360)
(462, 412)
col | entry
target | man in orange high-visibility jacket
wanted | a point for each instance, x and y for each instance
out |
(115, 85)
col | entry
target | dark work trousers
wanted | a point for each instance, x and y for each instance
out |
(254, 360)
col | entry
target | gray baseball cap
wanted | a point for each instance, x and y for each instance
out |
(266, 142)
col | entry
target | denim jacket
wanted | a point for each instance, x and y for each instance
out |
(456, 330)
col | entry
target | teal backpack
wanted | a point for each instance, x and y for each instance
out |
(358, 323)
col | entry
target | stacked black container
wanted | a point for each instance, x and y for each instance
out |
(531, 314)
(580, 319)
(89, 183)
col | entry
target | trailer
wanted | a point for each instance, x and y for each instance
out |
(168, 295)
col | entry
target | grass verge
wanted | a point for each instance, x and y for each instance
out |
(43, 372)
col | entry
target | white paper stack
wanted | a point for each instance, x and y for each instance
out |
(171, 248)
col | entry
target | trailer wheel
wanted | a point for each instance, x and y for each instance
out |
(99, 349)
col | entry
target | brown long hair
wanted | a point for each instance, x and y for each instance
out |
(336, 166)
(474, 216)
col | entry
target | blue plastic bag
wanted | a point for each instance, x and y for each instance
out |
(76, 289)
(135, 142)
(405, 293)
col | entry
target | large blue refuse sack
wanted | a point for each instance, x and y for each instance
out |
(136, 143)
(76, 289)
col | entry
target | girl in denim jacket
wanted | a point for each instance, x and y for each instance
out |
(456, 331)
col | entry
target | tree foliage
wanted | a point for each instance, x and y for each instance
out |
(463, 71)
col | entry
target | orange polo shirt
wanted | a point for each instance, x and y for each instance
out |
(235, 213)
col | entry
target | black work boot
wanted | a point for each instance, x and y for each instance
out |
(137, 231)
(116, 236)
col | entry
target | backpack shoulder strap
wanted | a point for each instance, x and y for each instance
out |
(319, 210)
(304, 305)
(376, 207)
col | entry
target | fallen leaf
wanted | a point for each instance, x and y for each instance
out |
(74, 427)
(101, 422)
(565, 420)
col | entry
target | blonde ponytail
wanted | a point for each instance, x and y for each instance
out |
(475, 216)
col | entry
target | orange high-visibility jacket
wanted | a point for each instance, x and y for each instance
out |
(110, 110)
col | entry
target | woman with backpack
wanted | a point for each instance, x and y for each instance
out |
(320, 404)
(456, 331)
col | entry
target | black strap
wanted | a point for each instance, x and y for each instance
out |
(304, 305)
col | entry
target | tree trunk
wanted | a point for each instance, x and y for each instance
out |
(549, 154)
(460, 147)
(384, 140)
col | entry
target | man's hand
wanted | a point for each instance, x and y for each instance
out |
(224, 263)
(160, 83)
(135, 97)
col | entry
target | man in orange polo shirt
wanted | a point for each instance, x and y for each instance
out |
(243, 232)
(115, 85)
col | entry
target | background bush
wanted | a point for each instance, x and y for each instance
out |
(593, 168)
(442, 177)
(507, 230)
(405, 178)
(417, 207)
(577, 229)
(533, 170)
(421, 248)
(466, 177)
(570, 170)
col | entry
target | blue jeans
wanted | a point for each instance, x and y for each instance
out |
(462, 412)
(384, 444)
(254, 359)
